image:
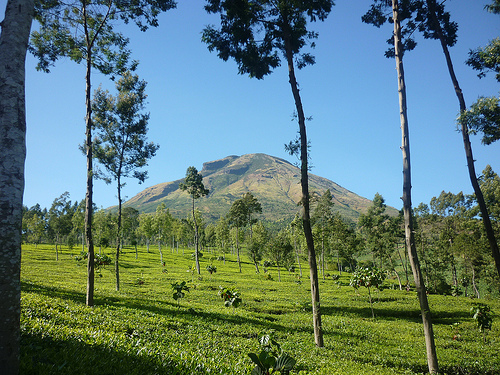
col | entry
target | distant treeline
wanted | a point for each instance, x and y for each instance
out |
(449, 235)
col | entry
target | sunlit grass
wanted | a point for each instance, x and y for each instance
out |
(140, 329)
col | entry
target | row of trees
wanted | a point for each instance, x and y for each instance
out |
(449, 237)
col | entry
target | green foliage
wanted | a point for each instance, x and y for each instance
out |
(100, 260)
(120, 142)
(486, 59)
(368, 278)
(280, 251)
(62, 31)
(271, 359)
(255, 34)
(179, 289)
(231, 297)
(193, 184)
(481, 313)
(483, 116)
(211, 269)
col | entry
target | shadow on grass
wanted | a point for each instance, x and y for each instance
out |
(387, 313)
(45, 355)
(167, 308)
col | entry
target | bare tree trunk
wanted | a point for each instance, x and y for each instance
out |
(197, 259)
(90, 172)
(467, 145)
(13, 44)
(238, 247)
(474, 286)
(304, 181)
(118, 236)
(297, 253)
(408, 220)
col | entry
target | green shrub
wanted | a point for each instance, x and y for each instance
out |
(179, 289)
(271, 359)
(231, 297)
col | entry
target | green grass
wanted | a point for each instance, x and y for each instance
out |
(140, 329)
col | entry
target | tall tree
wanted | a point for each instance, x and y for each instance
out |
(193, 185)
(78, 222)
(240, 215)
(322, 219)
(436, 24)
(257, 244)
(238, 219)
(253, 207)
(254, 34)
(13, 43)
(60, 219)
(162, 226)
(146, 228)
(222, 235)
(398, 16)
(83, 31)
(280, 250)
(120, 143)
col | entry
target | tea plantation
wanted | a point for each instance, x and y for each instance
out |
(142, 329)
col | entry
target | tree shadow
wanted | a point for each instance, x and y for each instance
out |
(163, 308)
(410, 315)
(46, 355)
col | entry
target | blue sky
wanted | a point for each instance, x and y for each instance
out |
(202, 110)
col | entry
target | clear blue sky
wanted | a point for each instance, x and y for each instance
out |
(202, 110)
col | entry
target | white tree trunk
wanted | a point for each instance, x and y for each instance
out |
(13, 43)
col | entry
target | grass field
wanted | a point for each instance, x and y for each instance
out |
(141, 329)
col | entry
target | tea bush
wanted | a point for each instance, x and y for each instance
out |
(140, 329)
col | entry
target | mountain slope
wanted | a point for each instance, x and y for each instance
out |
(273, 181)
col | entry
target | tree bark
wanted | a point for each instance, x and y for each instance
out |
(13, 44)
(304, 181)
(238, 247)
(90, 172)
(408, 220)
(467, 145)
(197, 259)
(118, 235)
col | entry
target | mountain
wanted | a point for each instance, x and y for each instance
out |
(273, 181)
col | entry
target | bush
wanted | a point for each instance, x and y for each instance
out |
(271, 359)
(230, 297)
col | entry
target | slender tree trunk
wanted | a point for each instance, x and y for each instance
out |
(405, 266)
(323, 258)
(306, 220)
(467, 145)
(196, 242)
(13, 43)
(90, 172)
(238, 247)
(474, 286)
(118, 235)
(408, 220)
(298, 257)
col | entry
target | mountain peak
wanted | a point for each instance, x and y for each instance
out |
(275, 182)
